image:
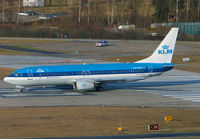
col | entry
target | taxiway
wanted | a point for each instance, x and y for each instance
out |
(172, 89)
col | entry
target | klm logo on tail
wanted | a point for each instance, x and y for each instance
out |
(165, 50)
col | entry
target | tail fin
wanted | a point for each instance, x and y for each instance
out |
(165, 51)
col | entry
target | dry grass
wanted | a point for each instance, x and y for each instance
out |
(92, 121)
(13, 52)
(193, 65)
(31, 40)
(5, 72)
(125, 58)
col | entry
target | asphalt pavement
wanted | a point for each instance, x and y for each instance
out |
(138, 136)
(172, 89)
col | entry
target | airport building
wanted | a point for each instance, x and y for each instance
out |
(33, 3)
(192, 28)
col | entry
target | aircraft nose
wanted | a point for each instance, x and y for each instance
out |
(6, 79)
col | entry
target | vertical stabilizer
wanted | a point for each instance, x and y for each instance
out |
(165, 51)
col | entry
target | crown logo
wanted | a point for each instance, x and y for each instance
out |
(83, 85)
(165, 46)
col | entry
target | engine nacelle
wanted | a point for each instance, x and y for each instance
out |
(84, 85)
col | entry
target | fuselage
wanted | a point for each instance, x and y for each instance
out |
(97, 73)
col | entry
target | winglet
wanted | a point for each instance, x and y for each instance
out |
(165, 51)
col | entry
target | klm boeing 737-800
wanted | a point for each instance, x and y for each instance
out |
(92, 76)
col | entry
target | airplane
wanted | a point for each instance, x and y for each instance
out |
(85, 77)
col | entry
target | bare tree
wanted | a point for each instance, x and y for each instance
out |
(177, 10)
(3, 12)
(122, 13)
(88, 11)
(50, 2)
(108, 7)
(79, 18)
(188, 4)
(18, 11)
(113, 6)
(199, 10)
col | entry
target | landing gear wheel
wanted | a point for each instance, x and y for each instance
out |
(99, 88)
(22, 90)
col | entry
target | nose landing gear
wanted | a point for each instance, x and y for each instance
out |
(22, 90)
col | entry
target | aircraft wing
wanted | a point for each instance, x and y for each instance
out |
(110, 80)
(88, 83)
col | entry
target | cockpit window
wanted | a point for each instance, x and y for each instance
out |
(16, 74)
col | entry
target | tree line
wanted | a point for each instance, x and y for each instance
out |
(186, 10)
(115, 12)
(96, 18)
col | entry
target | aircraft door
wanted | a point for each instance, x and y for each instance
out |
(30, 74)
(150, 68)
(41, 78)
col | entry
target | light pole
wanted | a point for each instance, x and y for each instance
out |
(3, 12)
(88, 11)
(79, 19)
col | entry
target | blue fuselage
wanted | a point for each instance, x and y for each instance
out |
(86, 76)
(91, 69)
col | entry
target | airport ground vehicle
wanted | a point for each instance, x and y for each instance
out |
(43, 17)
(29, 13)
(102, 43)
(23, 14)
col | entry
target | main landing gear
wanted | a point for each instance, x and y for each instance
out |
(99, 88)
(22, 90)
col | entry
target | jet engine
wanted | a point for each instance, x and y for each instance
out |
(83, 85)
